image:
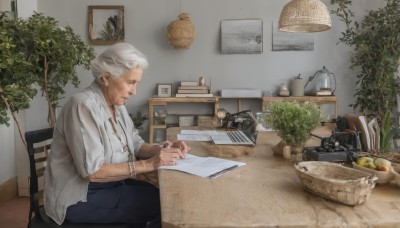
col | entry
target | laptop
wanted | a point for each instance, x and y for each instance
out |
(245, 134)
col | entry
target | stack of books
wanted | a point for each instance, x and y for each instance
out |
(193, 89)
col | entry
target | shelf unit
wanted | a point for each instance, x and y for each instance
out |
(239, 101)
(163, 101)
(316, 99)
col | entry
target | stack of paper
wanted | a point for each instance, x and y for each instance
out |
(369, 131)
(208, 167)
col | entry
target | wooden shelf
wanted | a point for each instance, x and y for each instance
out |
(164, 101)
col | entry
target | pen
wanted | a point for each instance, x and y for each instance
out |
(219, 173)
(166, 145)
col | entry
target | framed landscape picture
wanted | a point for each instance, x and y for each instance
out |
(289, 41)
(242, 36)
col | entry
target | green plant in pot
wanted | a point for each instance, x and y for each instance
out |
(294, 121)
(138, 119)
(16, 72)
(376, 43)
(56, 51)
(37, 52)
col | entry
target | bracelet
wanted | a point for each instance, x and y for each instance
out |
(132, 169)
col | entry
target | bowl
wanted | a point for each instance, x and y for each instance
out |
(383, 177)
(396, 172)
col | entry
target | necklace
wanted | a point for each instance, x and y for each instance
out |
(123, 140)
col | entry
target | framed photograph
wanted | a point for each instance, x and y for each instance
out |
(290, 41)
(242, 36)
(106, 24)
(164, 90)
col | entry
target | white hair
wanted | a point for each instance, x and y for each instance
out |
(116, 60)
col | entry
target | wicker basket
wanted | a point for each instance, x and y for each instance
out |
(336, 182)
(181, 32)
(187, 121)
(305, 16)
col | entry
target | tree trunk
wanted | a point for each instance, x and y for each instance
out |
(15, 117)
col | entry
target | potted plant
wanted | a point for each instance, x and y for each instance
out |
(376, 43)
(16, 73)
(138, 120)
(36, 51)
(294, 122)
(56, 51)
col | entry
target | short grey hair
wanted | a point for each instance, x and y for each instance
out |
(116, 60)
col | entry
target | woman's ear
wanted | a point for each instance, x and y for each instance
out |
(105, 79)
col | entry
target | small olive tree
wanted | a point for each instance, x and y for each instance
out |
(376, 43)
(36, 51)
(56, 51)
(16, 71)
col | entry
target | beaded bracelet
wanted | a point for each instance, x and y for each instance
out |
(132, 169)
(131, 164)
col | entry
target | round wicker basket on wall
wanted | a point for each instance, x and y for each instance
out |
(181, 32)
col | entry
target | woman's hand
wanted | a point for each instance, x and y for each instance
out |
(165, 157)
(181, 145)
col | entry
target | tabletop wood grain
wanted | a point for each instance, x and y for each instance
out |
(265, 192)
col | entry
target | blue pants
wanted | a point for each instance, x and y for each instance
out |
(129, 201)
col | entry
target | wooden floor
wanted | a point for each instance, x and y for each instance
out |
(14, 213)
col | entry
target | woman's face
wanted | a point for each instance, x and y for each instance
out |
(120, 89)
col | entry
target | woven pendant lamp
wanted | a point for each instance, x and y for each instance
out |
(305, 16)
(181, 32)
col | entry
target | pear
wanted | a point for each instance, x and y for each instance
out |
(382, 162)
(364, 161)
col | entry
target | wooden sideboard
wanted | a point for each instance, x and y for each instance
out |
(164, 101)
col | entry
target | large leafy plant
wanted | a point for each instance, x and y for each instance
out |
(16, 71)
(376, 43)
(37, 52)
(294, 121)
(56, 51)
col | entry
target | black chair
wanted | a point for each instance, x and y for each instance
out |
(38, 148)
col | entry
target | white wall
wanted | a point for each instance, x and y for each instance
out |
(145, 28)
(146, 22)
(7, 154)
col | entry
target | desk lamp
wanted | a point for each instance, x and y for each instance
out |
(221, 114)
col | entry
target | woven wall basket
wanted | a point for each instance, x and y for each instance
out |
(181, 32)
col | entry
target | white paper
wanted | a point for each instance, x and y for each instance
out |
(198, 135)
(201, 132)
(208, 167)
(193, 137)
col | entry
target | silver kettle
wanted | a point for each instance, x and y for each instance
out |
(322, 81)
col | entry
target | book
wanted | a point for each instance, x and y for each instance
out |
(208, 167)
(193, 87)
(193, 91)
(375, 136)
(194, 95)
(189, 83)
(359, 123)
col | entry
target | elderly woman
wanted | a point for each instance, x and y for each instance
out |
(96, 151)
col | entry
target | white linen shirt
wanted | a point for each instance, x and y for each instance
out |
(83, 140)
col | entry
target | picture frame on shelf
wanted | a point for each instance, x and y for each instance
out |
(106, 24)
(164, 90)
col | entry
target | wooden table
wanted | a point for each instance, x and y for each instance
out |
(264, 193)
